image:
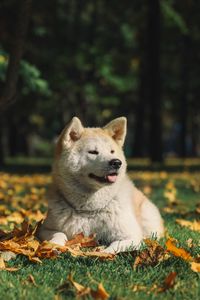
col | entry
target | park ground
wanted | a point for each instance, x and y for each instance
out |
(176, 191)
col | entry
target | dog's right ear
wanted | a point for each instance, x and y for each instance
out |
(72, 132)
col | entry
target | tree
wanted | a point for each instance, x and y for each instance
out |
(16, 53)
(8, 95)
(154, 80)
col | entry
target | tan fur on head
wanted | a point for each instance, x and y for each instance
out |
(73, 131)
(117, 130)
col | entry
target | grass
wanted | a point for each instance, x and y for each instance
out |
(118, 276)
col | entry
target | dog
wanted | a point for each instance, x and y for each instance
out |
(91, 192)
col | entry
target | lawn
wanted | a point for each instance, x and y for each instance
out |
(178, 196)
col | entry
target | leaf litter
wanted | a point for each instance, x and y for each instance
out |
(23, 202)
(82, 291)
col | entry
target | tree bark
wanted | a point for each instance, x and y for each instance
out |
(9, 92)
(154, 80)
(184, 95)
(141, 107)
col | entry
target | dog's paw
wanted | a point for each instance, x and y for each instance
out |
(122, 246)
(59, 238)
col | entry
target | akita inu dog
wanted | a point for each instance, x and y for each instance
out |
(91, 192)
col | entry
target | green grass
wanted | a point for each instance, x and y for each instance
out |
(117, 276)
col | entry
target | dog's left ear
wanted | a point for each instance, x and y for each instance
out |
(117, 130)
(72, 132)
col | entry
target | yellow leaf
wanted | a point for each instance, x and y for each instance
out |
(3, 266)
(195, 266)
(193, 225)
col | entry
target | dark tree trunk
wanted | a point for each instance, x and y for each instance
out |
(154, 80)
(184, 94)
(9, 92)
(1, 146)
(140, 114)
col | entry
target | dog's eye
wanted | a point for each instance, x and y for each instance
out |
(112, 151)
(95, 152)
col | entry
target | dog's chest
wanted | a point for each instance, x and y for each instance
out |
(108, 225)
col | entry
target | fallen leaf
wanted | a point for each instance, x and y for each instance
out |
(168, 282)
(7, 255)
(151, 256)
(179, 252)
(190, 243)
(137, 288)
(100, 293)
(82, 291)
(193, 225)
(31, 279)
(169, 210)
(4, 267)
(195, 266)
(80, 239)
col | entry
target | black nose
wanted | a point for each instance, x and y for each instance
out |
(115, 163)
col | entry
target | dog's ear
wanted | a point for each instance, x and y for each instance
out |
(72, 132)
(117, 130)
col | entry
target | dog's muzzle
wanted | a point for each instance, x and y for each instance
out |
(115, 163)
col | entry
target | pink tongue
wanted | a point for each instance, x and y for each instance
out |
(112, 178)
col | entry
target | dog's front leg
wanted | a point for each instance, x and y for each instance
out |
(59, 238)
(122, 246)
(52, 236)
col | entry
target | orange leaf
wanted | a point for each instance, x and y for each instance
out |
(169, 282)
(179, 252)
(195, 266)
(101, 293)
(80, 239)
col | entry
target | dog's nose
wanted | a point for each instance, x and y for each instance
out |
(115, 163)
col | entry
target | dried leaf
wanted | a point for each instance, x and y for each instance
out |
(97, 254)
(3, 266)
(7, 255)
(82, 291)
(193, 225)
(179, 252)
(195, 266)
(101, 293)
(190, 243)
(31, 279)
(151, 256)
(169, 282)
(80, 239)
(138, 288)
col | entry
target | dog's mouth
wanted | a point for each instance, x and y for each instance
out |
(108, 178)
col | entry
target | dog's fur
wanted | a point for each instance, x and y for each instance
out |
(108, 205)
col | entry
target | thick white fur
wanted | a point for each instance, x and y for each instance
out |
(119, 214)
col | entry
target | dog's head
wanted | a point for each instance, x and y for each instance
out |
(92, 156)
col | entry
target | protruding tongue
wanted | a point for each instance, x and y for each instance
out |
(111, 178)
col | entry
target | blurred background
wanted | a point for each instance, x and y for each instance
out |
(99, 60)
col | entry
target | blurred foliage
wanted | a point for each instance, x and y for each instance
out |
(30, 75)
(90, 59)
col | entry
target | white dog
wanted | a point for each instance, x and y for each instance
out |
(91, 192)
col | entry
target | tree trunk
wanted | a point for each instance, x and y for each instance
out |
(9, 92)
(140, 114)
(184, 94)
(154, 80)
